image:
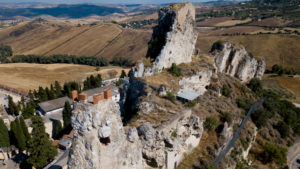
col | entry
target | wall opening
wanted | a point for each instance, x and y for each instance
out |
(105, 141)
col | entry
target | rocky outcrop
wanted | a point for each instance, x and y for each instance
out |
(164, 146)
(100, 141)
(237, 62)
(173, 40)
(197, 82)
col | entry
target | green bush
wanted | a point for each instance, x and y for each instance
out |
(226, 117)
(211, 123)
(283, 129)
(170, 96)
(243, 103)
(255, 85)
(274, 153)
(226, 91)
(174, 70)
(191, 104)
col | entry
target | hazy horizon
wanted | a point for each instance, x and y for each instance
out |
(98, 1)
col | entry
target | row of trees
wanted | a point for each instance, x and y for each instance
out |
(278, 69)
(36, 144)
(82, 60)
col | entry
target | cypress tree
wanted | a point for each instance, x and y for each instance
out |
(24, 129)
(123, 74)
(12, 107)
(67, 115)
(18, 135)
(58, 130)
(40, 148)
(4, 141)
(58, 89)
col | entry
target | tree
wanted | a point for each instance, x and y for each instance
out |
(67, 112)
(274, 153)
(255, 85)
(28, 110)
(42, 94)
(174, 70)
(18, 134)
(40, 148)
(123, 74)
(58, 130)
(12, 107)
(57, 88)
(24, 129)
(4, 141)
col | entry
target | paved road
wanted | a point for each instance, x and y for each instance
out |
(236, 134)
(296, 163)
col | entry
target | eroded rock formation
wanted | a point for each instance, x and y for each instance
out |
(173, 40)
(165, 146)
(100, 142)
(237, 62)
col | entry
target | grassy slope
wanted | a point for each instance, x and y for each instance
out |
(276, 49)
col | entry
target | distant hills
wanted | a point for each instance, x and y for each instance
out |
(70, 11)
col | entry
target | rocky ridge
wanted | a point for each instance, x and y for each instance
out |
(237, 62)
(173, 40)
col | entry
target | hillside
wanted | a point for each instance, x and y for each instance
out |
(24, 76)
(104, 39)
(275, 49)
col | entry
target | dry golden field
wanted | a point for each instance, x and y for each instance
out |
(25, 76)
(233, 22)
(103, 39)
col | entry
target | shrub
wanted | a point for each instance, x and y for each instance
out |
(191, 104)
(255, 85)
(243, 103)
(174, 134)
(226, 91)
(174, 70)
(211, 123)
(273, 153)
(226, 117)
(283, 129)
(170, 96)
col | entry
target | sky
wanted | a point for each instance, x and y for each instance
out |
(100, 1)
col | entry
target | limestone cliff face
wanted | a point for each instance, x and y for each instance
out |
(237, 62)
(100, 141)
(173, 40)
(164, 146)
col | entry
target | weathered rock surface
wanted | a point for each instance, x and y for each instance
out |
(237, 62)
(197, 82)
(164, 146)
(173, 39)
(100, 141)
